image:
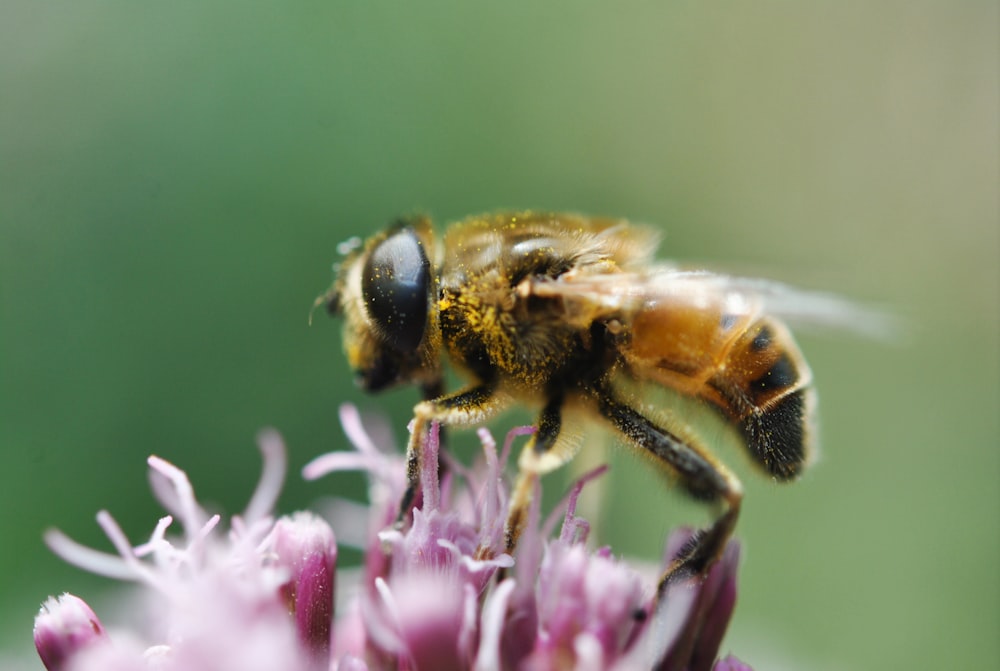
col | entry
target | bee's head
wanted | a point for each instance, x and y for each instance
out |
(385, 293)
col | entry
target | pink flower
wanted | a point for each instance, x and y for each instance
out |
(64, 626)
(304, 545)
(212, 597)
(255, 593)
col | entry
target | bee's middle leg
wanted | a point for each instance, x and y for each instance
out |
(702, 476)
(535, 460)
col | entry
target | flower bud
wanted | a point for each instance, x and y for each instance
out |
(305, 546)
(63, 627)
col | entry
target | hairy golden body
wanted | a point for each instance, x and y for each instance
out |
(563, 312)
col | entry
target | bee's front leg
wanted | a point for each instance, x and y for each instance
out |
(703, 477)
(468, 406)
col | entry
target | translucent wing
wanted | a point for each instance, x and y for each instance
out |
(592, 293)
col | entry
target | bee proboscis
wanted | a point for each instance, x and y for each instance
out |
(572, 316)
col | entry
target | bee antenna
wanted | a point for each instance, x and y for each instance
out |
(332, 301)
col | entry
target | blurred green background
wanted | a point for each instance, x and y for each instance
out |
(174, 178)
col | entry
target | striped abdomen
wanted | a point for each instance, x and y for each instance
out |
(746, 365)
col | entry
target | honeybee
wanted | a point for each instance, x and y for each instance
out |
(571, 315)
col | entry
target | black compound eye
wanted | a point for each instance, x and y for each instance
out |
(395, 284)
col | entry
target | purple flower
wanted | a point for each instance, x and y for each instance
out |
(259, 593)
(730, 663)
(304, 545)
(212, 599)
(63, 627)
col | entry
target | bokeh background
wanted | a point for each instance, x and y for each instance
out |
(174, 178)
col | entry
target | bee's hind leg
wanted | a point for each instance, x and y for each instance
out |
(703, 477)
